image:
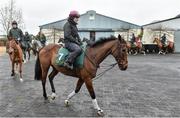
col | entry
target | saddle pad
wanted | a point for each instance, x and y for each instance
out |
(63, 54)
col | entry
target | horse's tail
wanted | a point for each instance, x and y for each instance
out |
(38, 70)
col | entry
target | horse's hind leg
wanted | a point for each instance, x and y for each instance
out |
(51, 77)
(78, 87)
(24, 53)
(45, 69)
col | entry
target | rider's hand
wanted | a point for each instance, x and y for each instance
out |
(80, 43)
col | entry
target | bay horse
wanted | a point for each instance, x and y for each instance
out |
(94, 55)
(16, 56)
(163, 49)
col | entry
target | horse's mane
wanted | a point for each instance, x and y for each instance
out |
(101, 41)
(50, 46)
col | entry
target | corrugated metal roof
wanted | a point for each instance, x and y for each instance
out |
(161, 21)
(95, 21)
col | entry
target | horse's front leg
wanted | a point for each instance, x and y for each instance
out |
(78, 87)
(20, 71)
(29, 55)
(90, 88)
(24, 53)
(13, 73)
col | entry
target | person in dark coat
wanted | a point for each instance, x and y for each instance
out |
(41, 37)
(163, 39)
(15, 32)
(133, 39)
(71, 38)
(27, 39)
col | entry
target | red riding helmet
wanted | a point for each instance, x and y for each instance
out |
(74, 14)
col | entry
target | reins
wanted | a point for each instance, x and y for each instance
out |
(102, 73)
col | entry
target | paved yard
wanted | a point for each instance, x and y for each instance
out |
(150, 87)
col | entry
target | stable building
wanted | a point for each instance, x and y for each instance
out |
(91, 24)
(170, 27)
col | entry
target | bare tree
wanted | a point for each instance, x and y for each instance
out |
(8, 13)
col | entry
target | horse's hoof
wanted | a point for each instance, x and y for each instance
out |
(21, 80)
(12, 74)
(100, 113)
(46, 100)
(66, 103)
(53, 96)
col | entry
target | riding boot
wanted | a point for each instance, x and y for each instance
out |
(68, 64)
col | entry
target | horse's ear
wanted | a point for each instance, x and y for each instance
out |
(119, 38)
(9, 37)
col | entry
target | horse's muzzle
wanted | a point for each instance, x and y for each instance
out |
(123, 67)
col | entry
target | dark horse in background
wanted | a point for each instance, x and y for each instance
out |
(26, 48)
(95, 54)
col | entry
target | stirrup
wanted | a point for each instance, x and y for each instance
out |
(66, 64)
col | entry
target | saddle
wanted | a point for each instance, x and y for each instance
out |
(63, 53)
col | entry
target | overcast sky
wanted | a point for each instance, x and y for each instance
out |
(140, 12)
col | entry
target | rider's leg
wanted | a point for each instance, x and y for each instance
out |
(75, 51)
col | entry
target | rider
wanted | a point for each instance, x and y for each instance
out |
(15, 32)
(27, 39)
(72, 39)
(41, 37)
(163, 39)
(133, 39)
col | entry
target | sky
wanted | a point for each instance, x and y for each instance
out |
(140, 12)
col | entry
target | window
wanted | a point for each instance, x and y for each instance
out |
(91, 17)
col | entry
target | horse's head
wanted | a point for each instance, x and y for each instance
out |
(36, 45)
(12, 45)
(157, 40)
(119, 51)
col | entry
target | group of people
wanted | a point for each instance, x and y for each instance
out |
(133, 38)
(24, 39)
(72, 39)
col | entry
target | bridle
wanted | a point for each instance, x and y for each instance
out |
(111, 66)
